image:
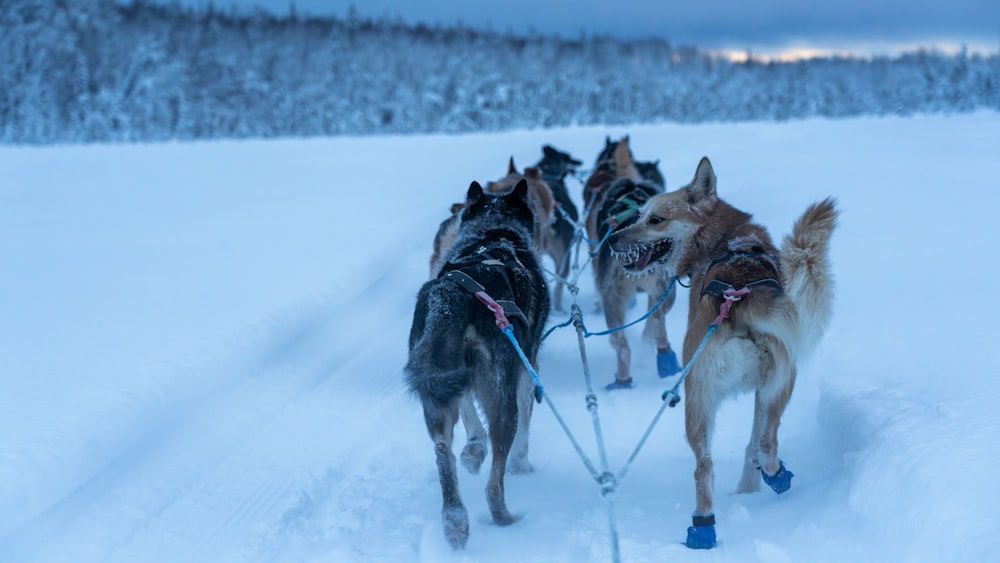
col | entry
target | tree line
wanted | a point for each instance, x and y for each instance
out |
(101, 71)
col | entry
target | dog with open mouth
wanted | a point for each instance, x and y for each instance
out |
(779, 302)
(614, 193)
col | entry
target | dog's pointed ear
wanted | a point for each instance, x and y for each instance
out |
(475, 193)
(533, 173)
(511, 169)
(702, 188)
(624, 163)
(521, 190)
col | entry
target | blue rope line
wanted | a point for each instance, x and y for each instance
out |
(674, 399)
(558, 326)
(566, 215)
(540, 396)
(592, 254)
(672, 393)
(663, 298)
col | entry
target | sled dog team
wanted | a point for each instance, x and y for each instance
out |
(769, 305)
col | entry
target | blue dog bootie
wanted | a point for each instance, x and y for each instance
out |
(701, 534)
(666, 363)
(780, 481)
(618, 384)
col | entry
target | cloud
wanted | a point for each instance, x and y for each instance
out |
(706, 23)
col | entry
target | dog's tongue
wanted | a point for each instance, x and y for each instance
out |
(643, 260)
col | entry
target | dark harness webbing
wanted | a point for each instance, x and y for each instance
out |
(624, 209)
(717, 287)
(469, 284)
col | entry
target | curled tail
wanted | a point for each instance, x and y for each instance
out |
(808, 280)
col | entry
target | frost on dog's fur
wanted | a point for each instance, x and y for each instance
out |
(618, 178)
(768, 331)
(457, 351)
(808, 281)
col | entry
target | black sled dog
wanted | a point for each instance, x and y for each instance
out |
(554, 166)
(456, 346)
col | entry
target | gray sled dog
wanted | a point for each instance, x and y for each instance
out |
(785, 298)
(456, 347)
(614, 193)
(542, 203)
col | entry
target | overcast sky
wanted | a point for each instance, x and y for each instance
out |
(761, 25)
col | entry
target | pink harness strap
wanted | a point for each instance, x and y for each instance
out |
(492, 305)
(729, 297)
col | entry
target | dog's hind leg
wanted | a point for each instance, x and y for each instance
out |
(750, 479)
(700, 410)
(762, 451)
(474, 451)
(501, 414)
(518, 461)
(699, 425)
(441, 421)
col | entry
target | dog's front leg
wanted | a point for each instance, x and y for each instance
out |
(474, 451)
(614, 302)
(518, 461)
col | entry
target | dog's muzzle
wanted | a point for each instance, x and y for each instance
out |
(638, 257)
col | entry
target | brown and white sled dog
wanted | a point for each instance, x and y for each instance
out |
(691, 231)
(614, 193)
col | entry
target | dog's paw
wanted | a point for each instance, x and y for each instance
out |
(619, 384)
(505, 519)
(780, 481)
(473, 455)
(666, 363)
(498, 509)
(456, 526)
(701, 535)
(519, 466)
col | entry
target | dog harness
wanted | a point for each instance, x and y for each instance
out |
(725, 290)
(625, 208)
(503, 309)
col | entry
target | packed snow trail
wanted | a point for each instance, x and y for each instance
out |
(277, 428)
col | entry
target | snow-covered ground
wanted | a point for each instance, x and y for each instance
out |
(201, 347)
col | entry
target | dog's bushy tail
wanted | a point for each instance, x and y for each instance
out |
(436, 370)
(808, 278)
(437, 387)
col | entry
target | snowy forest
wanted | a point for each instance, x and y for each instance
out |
(101, 71)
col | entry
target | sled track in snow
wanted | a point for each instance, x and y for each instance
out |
(217, 471)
